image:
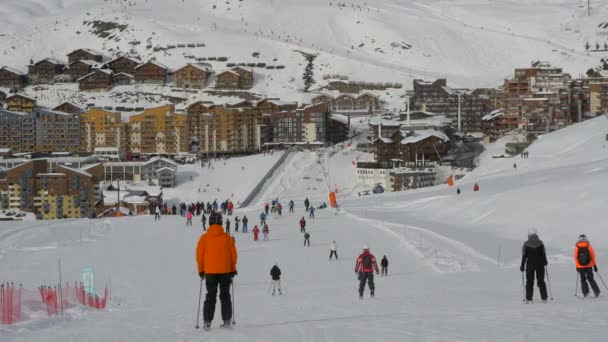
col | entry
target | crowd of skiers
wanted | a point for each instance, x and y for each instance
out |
(196, 209)
(534, 265)
(216, 256)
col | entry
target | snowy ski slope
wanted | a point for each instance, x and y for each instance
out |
(444, 283)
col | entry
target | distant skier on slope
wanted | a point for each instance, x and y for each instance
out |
(204, 221)
(384, 266)
(157, 214)
(365, 266)
(227, 226)
(291, 205)
(306, 203)
(275, 273)
(189, 218)
(265, 232)
(302, 225)
(256, 232)
(216, 258)
(584, 258)
(312, 213)
(534, 259)
(333, 250)
(262, 218)
(307, 239)
(245, 221)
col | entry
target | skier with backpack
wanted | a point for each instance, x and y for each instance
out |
(216, 258)
(275, 273)
(307, 239)
(302, 225)
(533, 261)
(384, 266)
(365, 266)
(584, 258)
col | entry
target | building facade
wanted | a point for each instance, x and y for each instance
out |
(100, 128)
(158, 131)
(192, 76)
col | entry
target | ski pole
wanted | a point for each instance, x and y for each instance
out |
(549, 282)
(598, 273)
(198, 312)
(233, 313)
(576, 288)
(523, 287)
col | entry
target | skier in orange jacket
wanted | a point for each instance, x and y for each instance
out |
(216, 258)
(584, 259)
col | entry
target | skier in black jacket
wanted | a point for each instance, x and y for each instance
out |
(534, 259)
(384, 265)
(275, 273)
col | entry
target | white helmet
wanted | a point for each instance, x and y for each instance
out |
(365, 248)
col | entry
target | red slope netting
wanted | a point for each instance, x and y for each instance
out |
(10, 303)
(70, 296)
(12, 298)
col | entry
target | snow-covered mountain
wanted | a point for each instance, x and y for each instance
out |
(474, 43)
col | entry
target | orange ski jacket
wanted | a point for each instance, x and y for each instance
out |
(216, 252)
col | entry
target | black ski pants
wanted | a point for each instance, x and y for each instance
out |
(366, 277)
(212, 281)
(306, 242)
(587, 276)
(539, 271)
(384, 270)
(333, 253)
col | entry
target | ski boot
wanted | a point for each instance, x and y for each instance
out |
(372, 294)
(226, 324)
(280, 293)
(207, 325)
(273, 292)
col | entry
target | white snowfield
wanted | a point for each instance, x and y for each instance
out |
(474, 43)
(444, 283)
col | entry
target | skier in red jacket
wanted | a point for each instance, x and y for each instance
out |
(365, 266)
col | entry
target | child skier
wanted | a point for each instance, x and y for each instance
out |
(302, 225)
(265, 232)
(255, 231)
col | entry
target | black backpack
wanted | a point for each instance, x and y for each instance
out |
(367, 261)
(583, 257)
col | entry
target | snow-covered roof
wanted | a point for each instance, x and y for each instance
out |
(157, 63)
(420, 135)
(154, 159)
(340, 118)
(242, 68)
(493, 114)
(5, 149)
(70, 103)
(105, 71)
(79, 171)
(52, 174)
(124, 74)
(132, 59)
(202, 67)
(13, 70)
(228, 71)
(384, 140)
(88, 167)
(51, 60)
(21, 95)
(204, 103)
(166, 169)
(91, 51)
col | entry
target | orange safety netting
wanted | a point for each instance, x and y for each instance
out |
(70, 296)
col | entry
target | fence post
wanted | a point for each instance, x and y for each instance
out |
(60, 291)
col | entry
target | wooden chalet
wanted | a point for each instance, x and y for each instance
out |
(426, 145)
(45, 70)
(70, 107)
(123, 64)
(98, 80)
(81, 68)
(123, 79)
(85, 54)
(245, 77)
(151, 72)
(227, 80)
(12, 78)
(192, 76)
(20, 103)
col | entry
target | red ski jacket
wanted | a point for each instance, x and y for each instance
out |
(359, 267)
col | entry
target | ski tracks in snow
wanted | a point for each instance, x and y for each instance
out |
(439, 253)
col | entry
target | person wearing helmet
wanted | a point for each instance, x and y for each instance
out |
(365, 266)
(534, 258)
(584, 259)
(216, 257)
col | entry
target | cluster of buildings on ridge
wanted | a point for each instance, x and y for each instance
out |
(94, 71)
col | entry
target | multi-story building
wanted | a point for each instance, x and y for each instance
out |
(300, 125)
(45, 70)
(123, 64)
(98, 80)
(225, 129)
(151, 72)
(86, 55)
(413, 146)
(193, 76)
(20, 103)
(68, 192)
(12, 78)
(11, 130)
(349, 104)
(238, 77)
(158, 131)
(161, 170)
(56, 131)
(100, 128)
(437, 97)
(70, 107)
